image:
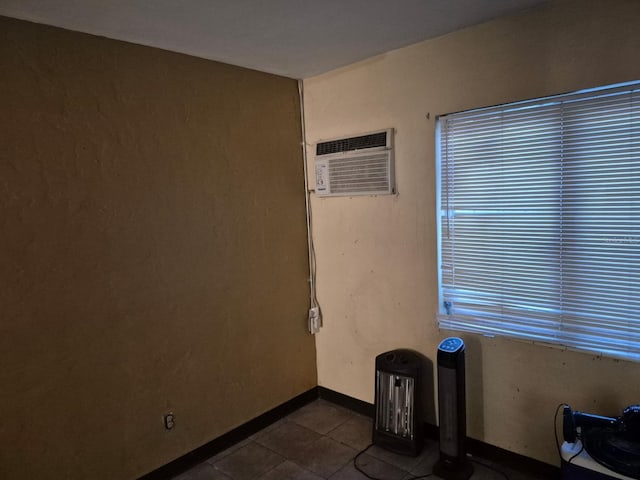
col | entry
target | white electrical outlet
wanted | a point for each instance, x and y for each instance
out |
(169, 421)
(315, 320)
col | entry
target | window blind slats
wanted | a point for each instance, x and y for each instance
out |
(539, 220)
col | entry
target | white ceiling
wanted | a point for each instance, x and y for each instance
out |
(294, 38)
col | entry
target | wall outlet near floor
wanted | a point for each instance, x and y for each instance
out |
(169, 421)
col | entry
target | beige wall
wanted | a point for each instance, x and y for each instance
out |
(152, 253)
(377, 255)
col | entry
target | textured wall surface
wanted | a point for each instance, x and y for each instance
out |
(377, 273)
(152, 253)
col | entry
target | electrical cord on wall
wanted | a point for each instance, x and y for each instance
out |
(555, 428)
(312, 267)
(315, 313)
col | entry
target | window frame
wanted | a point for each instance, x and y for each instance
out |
(443, 211)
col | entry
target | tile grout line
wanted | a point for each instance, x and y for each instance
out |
(286, 458)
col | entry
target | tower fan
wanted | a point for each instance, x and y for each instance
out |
(453, 463)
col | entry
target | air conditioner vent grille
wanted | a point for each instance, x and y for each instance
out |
(353, 143)
(362, 174)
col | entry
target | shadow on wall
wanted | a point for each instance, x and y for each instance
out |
(429, 392)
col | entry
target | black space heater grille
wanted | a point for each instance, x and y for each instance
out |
(398, 423)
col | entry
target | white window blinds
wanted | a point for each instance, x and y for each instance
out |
(539, 220)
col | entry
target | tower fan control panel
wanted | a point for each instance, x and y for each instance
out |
(451, 344)
(451, 353)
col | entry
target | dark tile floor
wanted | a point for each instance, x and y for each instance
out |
(319, 441)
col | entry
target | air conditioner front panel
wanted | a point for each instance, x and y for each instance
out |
(367, 171)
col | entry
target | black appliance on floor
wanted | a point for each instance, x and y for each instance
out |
(453, 463)
(399, 420)
(613, 442)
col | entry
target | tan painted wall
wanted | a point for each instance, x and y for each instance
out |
(377, 255)
(152, 253)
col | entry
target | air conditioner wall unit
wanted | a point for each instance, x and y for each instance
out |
(358, 165)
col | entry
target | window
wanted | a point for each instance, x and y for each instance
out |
(539, 220)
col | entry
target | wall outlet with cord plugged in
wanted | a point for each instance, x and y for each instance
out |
(315, 319)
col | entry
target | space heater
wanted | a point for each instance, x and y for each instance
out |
(453, 463)
(398, 422)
